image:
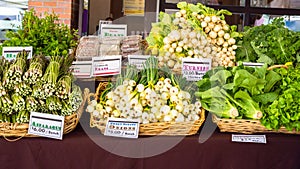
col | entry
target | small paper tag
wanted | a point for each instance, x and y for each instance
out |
(137, 60)
(82, 69)
(252, 64)
(46, 125)
(118, 127)
(106, 65)
(10, 53)
(249, 138)
(194, 69)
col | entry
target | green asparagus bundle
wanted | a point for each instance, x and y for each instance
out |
(7, 104)
(75, 98)
(67, 108)
(50, 77)
(32, 105)
(43, 106)
(14, 74)
(53, 103)
(21, 117)
(35, 71)
(37, 91)
(23, 89)
(4, 118)
(63, 86)
(19, 103)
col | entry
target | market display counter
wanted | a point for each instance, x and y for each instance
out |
(78, 151)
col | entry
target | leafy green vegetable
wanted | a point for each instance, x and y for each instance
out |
(284, 111)
(45, 35)
(271, 44)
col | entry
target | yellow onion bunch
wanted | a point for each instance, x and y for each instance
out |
(218, 33)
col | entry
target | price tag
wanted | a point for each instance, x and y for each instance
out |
(249, 138)
(137, 60)
(82, 69)
(252, 64)
(10, 53)
(103, 22)
(110, 30)
(106, 65)
(194, 69)
(118, 127)
(46, 125)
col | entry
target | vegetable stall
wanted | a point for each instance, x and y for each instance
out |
(41, 83)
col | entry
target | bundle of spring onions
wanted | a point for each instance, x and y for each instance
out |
(152, 95)
(196, 31)
(38, 84)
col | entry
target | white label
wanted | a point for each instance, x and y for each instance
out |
(111, 30)
(193, 69)
(46, 125)
(137, 60)
(249, 138)
(10, 53)
(106, 65)
(82, 69)
(251, 64)
(118, 127)
(103, 22)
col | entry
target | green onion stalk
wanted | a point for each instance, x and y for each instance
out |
(18, 102)
(150, 72)
(32, 105)
(63, 86)
(35, 71)
(50, 76)
(14, 74)
(2, 90)
(7, 105)
(53, 103)
(23, 89)
(22, 116)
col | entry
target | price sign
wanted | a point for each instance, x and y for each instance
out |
(194, 69)
(251, 64)
(46, 125)
(137, 60)
(249, 138)
(110, 30)
(82, 69)
(103, 22)
(10, 53)
(118, 127)
(106, 65)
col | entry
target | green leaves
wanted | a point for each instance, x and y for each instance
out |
(43, 34)
(271, 44)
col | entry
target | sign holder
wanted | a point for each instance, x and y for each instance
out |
(10, 53)
(137, 60)
(106, 65)
(113, 30)
(82, 69)
(194, 68)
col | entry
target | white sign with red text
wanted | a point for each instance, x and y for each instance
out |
(106, 65)
(193, 69)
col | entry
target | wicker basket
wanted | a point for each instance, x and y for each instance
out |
(20, 130)
(150, 129)
(246, 126)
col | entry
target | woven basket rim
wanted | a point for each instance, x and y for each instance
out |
(20, 130)
(246, 126)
